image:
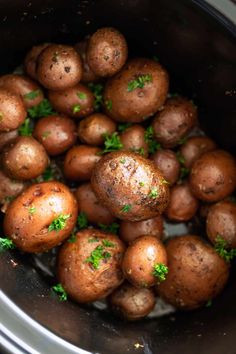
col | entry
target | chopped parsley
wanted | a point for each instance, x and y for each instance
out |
(108, 243)
(59, 223)
(97, 90)
(92, 240)
(108, 104)
(154, 193)
(180, 158)
(160, 271)
(139, 151)
(60, 291)
(142, 184)
(97, 255)
(6, 244)
(45, 134)
(209, 303)
(122, 161)
(184, 171)
(221, 248)
(112, 228)
(32, 95)
(82, 95)
(76, 108)
(48, 174)
(112, 143)
(25, 129)
(139, 82)
(153, 145)
(82, 220)
(123, 126)
(32, 210)
(43, 109)
(72, 238)
(126, 208)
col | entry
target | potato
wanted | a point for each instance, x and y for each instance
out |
(132, 303)
(57, 134)
(129, 186)
(137, 91)
(76, 101)
(221, 222)
(59, 67)
(196, 273)
(194, 147)
(213, 176)
(42, 217)
(107, 51)
(140, 260)
(9, 188)
(133, 139)
(80, 161)
(24, 158)
(92, 129)
(88, 203)
(168, 164)
(12, 111)
(182, 205)
(88, 75)
(7, 137)
(129, 231)
(29, 90)
(174, 121)
(31, 58)
(89, 269)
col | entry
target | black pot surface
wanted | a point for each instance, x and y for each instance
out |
(198, 47)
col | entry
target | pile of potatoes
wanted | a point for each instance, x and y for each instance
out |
(129, 158)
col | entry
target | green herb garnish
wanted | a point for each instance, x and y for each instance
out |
(182, 141)
(112, 143)
(32, 210)
(221, 248)
(60, 291)
(82, 220)
(112, 228)
(122, 161)
(97, 90)
(126, 208)
(46, 134)
(72, 238)
(184, 171)
(108, 104)
(142, 184)
(153, 145)
(209, 303)
(180, 158)
(123, 126)
(92, 240)
(43, 109)
(108, 243)
(139, 151)
(139, 82)
(82, 95)
(6, 244)
(59, 223)
(25, 129)
(32, 95)
(48, 174)
(154, 193)
(76, 108)
(160, 271)
(96, 256)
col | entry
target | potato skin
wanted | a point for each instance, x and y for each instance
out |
(129, 231)
(22, 85)
(29, 231)
(12, 111)
(92, 128)
(31, 58)
(137, 105)
(182, 205)
(221, 221)
(107, 51)
(140, 258)
(55, 133)
(59, 67)
(116, 181)
(168, 164)
(196, 273)
(213, 176)
(80, 279)
(25, 158)
(9, 187)
(88, 75)
(132, 303)
(7, 138)
(80, 161)
(174, 121)
(194, 147)
(88, 203)
(69, 103)
(133, 139)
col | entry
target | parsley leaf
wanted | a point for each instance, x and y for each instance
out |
(154, 193)
(139, 151)
(184, 171)
(48, 174)
(96, 256)
(108, 243)
(97, 90)
(6, 244)
(209, 303)
(139, 82)
(25, 129)
(72, 238)
(60, 291)
(153, 145)
(126, 208)
(112, 143)
(123, 126)
(59, 223)
(108, 104)
(43, 109)
(32, 210)
(221, 248)
(32, 95)
(82, 95)
(76, 108)
(112, 228)
(82, 220)
(160, 271)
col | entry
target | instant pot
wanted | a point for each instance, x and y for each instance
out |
(196, 42)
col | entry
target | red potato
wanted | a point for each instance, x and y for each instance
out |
(168, 164)
(7, 137)
(42, 217)
(9, 188)
(88, 75)
(30, 62)
(133, 139)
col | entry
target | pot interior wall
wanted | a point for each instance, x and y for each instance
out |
(200, 54)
